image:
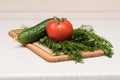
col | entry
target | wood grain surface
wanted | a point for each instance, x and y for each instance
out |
(48, 55)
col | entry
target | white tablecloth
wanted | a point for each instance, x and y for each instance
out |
(17, 62)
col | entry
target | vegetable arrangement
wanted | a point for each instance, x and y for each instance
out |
(59, 35)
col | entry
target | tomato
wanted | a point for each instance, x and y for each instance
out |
(59, 29)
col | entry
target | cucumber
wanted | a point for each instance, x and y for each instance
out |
(34, 33)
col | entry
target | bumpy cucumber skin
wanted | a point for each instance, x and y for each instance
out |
(34, 33)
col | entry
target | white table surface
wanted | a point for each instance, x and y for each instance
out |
(18, 62)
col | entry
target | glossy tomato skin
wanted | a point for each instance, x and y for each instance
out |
(59, 31)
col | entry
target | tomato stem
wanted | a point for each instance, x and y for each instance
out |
(62, 19)
(56, 19)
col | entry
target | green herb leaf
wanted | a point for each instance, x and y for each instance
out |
(83, 39)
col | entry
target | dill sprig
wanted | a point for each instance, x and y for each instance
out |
(83, 39)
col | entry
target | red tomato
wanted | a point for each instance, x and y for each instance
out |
(59, 30)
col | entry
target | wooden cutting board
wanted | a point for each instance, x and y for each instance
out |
(48, 55)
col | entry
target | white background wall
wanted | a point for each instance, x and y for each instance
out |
(60, 5)
(82, 9)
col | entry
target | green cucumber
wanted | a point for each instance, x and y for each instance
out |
(34, 33)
